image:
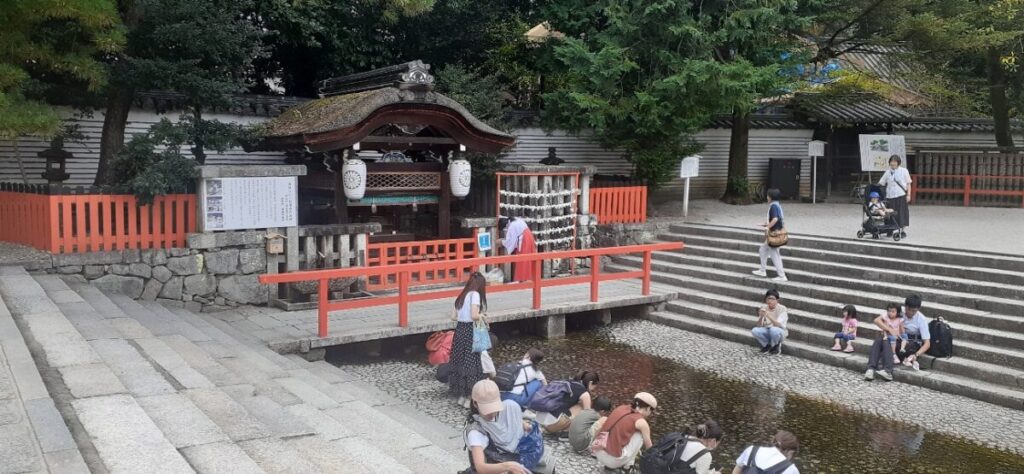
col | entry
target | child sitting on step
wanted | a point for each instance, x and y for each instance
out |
(897, 334)
(849, 329)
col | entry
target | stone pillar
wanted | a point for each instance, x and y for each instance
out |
(362, 242)
(584, 194)
(605, 316)
(552, 327)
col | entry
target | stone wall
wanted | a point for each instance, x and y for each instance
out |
(217, 270)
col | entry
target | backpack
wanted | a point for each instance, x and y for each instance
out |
(942, 339)
(506, 375)
(753, 469)
(664, 457)
(443, 372)
(551, 398)
(529, 451)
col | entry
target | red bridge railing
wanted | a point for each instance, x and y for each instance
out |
(397, 253)
(403, 271)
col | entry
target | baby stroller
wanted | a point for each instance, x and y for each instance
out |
(876, 225)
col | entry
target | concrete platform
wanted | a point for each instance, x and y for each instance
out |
(296, 332)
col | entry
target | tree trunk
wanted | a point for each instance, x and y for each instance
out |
(737, 187)
(115, 118)
(198, 150)
(998, 100)
(21, 164)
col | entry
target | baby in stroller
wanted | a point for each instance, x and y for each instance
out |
(879, 219)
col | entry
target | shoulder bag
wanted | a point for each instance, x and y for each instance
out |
(780, 237)
(481, 335)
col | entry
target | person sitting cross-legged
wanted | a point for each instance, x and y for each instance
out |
(771, 323)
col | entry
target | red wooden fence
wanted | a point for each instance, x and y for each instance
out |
(968, 185)
(622, 205)
(95, 222)
(403, 271)
(397, 253)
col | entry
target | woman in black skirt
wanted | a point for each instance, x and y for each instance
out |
(897, 190)
(464, 363)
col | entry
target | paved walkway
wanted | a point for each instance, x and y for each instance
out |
(970, 228)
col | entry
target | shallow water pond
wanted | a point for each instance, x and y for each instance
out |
(833, 440)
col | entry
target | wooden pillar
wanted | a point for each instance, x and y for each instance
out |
(444, 209)
(340, 202)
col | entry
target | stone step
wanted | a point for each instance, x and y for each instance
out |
(669, 262)
(978, 343)
(968, 387)
(890, 273)
(721, 281)
(989, 369)
(696, 244)
(903, 250)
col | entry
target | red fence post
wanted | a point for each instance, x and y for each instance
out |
(967, 191)
(595, 281)
(646, 289)
(536, 282)
(322, 308)
(403, 299)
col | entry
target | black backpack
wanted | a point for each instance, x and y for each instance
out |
(663, 457)
(506, 375)
(753, 469)
(942, 339)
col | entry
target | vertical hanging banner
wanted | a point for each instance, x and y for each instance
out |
(249, 203)
(875, 151)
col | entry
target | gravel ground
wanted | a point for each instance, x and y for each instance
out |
(969, 228)
(959, 417)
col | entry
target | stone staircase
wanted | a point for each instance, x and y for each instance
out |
(980, 294)
(149, 388)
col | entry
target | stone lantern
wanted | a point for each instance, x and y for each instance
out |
(56, 161)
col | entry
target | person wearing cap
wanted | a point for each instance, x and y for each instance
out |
(877, 208)
(497, 422)
(627, 432)
(880, 359)
(774, 457)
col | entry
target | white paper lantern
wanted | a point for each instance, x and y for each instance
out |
(353, 178)
(461, 174)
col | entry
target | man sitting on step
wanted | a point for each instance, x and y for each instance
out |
(880, 359)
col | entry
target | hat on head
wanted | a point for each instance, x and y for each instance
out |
(646, 398)
(873, 195)
(487, 397)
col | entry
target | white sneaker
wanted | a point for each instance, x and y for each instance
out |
(869, 375)
(915, 365)
(885, 375)
(780, 278)
(760, 273)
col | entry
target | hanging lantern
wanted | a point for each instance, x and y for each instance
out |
(460, 173)
(353, 176)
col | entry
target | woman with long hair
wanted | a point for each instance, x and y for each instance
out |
(464, 363)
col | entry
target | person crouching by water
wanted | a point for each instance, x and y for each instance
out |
(700, 441)
(464, 364)
(776, 457)
(771, 323)
(625, 432)
(498, 438)
(588, 423)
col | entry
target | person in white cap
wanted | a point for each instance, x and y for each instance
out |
(624, 432)
(498, 425)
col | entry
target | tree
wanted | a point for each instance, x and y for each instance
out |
(46, 42)
(202, 49)
(645, 76)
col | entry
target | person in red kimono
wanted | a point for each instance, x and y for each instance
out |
(519, 240)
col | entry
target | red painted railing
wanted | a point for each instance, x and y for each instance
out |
(403, 271)
(624, 205)
(397, 253)
(95, 222)
(968, 185)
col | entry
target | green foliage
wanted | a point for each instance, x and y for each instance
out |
(484, 97)
(47, 43)
(644, 76)
(155, 163)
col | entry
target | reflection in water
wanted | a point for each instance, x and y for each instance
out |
(833, 440)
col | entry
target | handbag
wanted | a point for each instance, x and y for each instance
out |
(600, 442)
(777, 238)
(481, 335)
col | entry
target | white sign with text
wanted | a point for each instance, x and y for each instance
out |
(249, 203)
(875, 151)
